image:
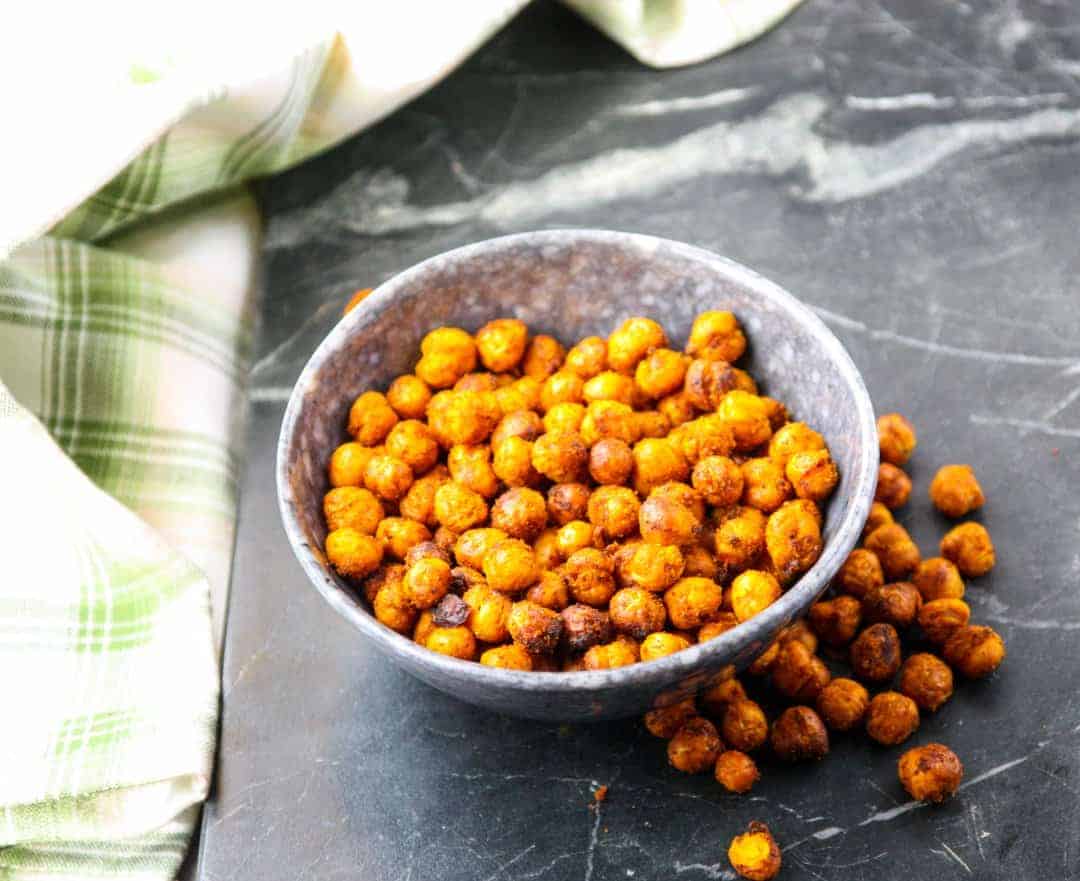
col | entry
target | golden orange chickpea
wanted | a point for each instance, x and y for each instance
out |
(426, 582)
(664, 722)
(660, 645)
(720, 623)
(955, 491)
(653, 567)
(568, 501)
(765, 486)
(927, 680)
(488, 613)
(939, 619)
(564, 417)
(551, 591)
(446, 355)
(703, 437)
(739, 537)
(974, 651)
(462, 578)
(736, 771)
(388, 477)
(762, 664)
(510, 566)
(937, 579)
(463, 417)
(425, 623)
(793, 538)
(588, 357)
(392, 573)
(507, 657)
(352, 553)
(562, 386)
(812, 475)
(520, 512)
(719, 480)
(744, 725)
(620, 653)
(445, 538)
(793, 438)
(611, 462)
(534, 628)
(546, 548)
(419, 502)
(634, 339)
(897, 603)
(897, 553)
(457, 642)
(843, 704)
(610, 386)
(661, 373)
(459, 508)
(371, 418)
(562, 458)
(477, 382)
(636, 612)
(590, 574)
(585, 627)
(398, 535)
(706, 382)
(716, 336)
(860, 573)
(472, 545)
(837, 620)
(930, 773)
(677, 409)
(609, 419)
(747, 416)
(896, 438)
(893, 486)
(695, 746)
(691, 602)
(413, 443)
(752, 592)
(652, 423)
(575, 535)
(524, 424)
(348, 463)
(614, 510)
(698, 560)
(799, 735)
(512, 463)
(521, 394)
(664, 521)
(798, 673)
(501, 344)
(392, 608)
(409, 396)
(470, 467)
(714, 700)
(754, 854)
(879, 516)
(891, 718)
(875, 653)
(970, 548)
(354, 507)
(543, 357)
(425, 550)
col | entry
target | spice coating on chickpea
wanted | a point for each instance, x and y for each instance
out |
(793, 538)
(663, 521)
(764, 485)
(575, 535)
(664, 722)
(692, 601)
(352, 553)
(695, 747)
(561, 457)
(620, 653)
(798, 673)
(843, 704)
(446, 355)
(938, 579)
(657, 461)
(563, 417)
(893, 486)
(678, 409)
(393, 609)
(895, 550)
(660, 645)
(739, 537)
(409, 396)
(561, 387)
(501, 344)
(371, 418)
(426, 582)
(661, 373)
(752, 592)
(875, 653)
(419, 502)
(459, 508)
(585, 627)
(512, 463)
(707, 382)
(720, 623)
(747, 415)
(413, 443)
(719, 480)
(470, 467)
(837, 620)
(896, 438)
(653, 567)
(743, 725)
(489, 613)
(969, 547)
(930, 773)
(568, 501)
(615, 510)
(543, 357)
(457, 642)
(507, 657)
(955, 491)
(388, 477)
(534, 628)
(520, 512)
(703, 437)
(736, 771)
(812, 475)
(633, 340)
(897, 604)
(354, 507)
(795, 437)
(860, 573)
(590, 573)
(891, 718)
(463, 417)
(611, 461)
(940, 618)
(636, 612)
(927, 680)
(551, 591)
(348, 463)
(524, 424)
(799, 735)
(716, 336)
(510, 566)
(715, 699)
(754, 854)
(974, 651)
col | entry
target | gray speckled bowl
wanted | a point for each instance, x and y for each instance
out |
(573, 283)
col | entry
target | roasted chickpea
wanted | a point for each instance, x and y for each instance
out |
(620, 653)
(895, 550)
(896, 438)
(409, 396)
(470, 467)
(426, 550)
(762, 664)
(584, 627)
(795, 437)
(414, 444)
(716, 336)
(513, 463)
(575, 535)
(747, 416)
(477, 382)
(561, 387)
(419, 502)
(388, 477)
(677, 408)
(392, 607)
(463, 417)
(707, 382)
(657, 461)
(652, 423)
(812, 475)
(875, 653)
(564, 417)
(736, 771)
(860, 573)
(520, 512)
(798, 673)
(459, 508)
(703, 437)
(568, 501)
(938, 579)
(611, 461)
(464, 578)
(714, 700)
(692, 601)
(764, 485)
(560, 457)
(534, 628)
(744, 725)
(614, 510)
(524, 424)
(664, 521)
(590, 574)
(940, 618)
(446, 355)
(664, 722)
(897, 604)
(719, 480)
(588, 357)
(472, 545)
(510, 566)
(546, 548)
(393, 573)
(445, 538)
(633, 340)
(660, 645)
(799, 631)
(930, 773)
(550, 591)
(610, 386)
(348, 463)
(425, 623)
(793, 538)
(636, 612)
(891, 718)
(457, 642)
(754, 854)
(426, 582)
(879, 516)
(698, 560)
(955, 491)
(501, 344)
(837, 620)
(543, 357)
(752, 592)
(354, 507)
(969, 547)
(508, 657)
(695, 747)
(653, 567)
(798, 734)
(661, 373)
(521, 394)
(352, 553)
(371, 418)
(893, 486)
(974, 651)
(927, 680)
(739, 537)
(843, 704)
(720, 623)
(488, 614)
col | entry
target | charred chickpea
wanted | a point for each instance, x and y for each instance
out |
(764, 485)
(524, 424)
(795, 437)
(653, 567)
(633, 340)
(940, 618)
(352, 506)
(352, 553)
(446, 355)
(896, 438)
(590, 574)
(695, 746)
(512, 463)
(636, 612)
(664, 722)
(798, 673)
(398, 534)
(716, 336)
(879, 516)
(736, 771)
(938, 579)
(843, 704)
(488, 613)
(812, 475)
(348, 463)
(657, 461)
(661, 373)
(393, 609)
(561, 387)
(893, 486)
(507, 657)
(660, 645)
(426, 582)
(371, 418)
(463, 417)
(927, 680)
(457, 642)
(798, 734)
(891, 718)
(859, 574)
(520, 512)
(510, 566)
(744, 725)
(393, 573)
(748, 417)
(550, 591)
(610, 386)
(413, 443)
(562, 418)
(459, 508)
(419, 502)
(568, 501)
(620, 653)
(464, 578)
(584, 627)
(501, 344)
(561, 457)
(719, 480)
(388, 477)
(754, 854)
(611, 461)
(473, 545)
(969, 547)
(752, 592)
(739, 536)
(543, 357)
(793, 538)
(409, 396)
(664, 521)
(707, 382)
(588, 357)
(678, 409)
(875, 653)
(974, 651)
(534, 628)
(930, 773)
(427, 550)
(897, 604)
(837, 620)
(955, 491)
(720, 623)
(470, 466)
(614, 510)
(895, 550)
(575, 535)
(692, 601)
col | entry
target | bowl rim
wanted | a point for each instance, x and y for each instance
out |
(662, 670)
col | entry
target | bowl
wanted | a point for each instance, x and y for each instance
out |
(573, 283)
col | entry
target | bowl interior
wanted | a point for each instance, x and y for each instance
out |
(572, 284)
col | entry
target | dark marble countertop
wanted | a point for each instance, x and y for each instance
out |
(912, 171)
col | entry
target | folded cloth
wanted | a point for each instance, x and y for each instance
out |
(125, 339)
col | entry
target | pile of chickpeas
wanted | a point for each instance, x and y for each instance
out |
(535, 508)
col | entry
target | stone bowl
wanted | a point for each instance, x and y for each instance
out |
(573, 283)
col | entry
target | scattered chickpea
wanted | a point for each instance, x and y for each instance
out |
(930, 773)
(974, 651)
(695, 746)
(938, 579)
(970, 548)
(955, 491)
(664, 722)
(716, 336)
(793, 538)
(754, 854)
(798, 734)
(893, 486)
(837, 620)
(940, 618)
(895, 550)
(744, 725)
(927, 680)
(714, 700)
(896, 438)
(736, 771)
(891, 718)
(843, 704)
(875, 653)
(897, 604)
(798, 673)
